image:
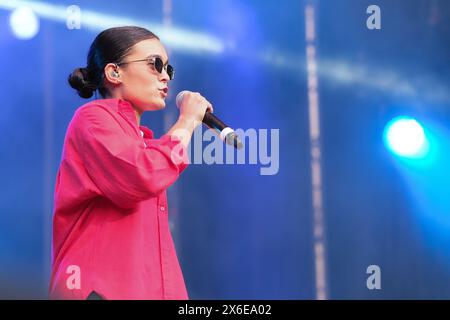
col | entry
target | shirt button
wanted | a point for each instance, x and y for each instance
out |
(162, 208)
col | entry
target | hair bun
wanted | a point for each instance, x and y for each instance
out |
(79, 80)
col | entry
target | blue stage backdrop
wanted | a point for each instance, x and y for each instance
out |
(336, 208)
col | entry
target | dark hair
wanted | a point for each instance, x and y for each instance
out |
(110, 46)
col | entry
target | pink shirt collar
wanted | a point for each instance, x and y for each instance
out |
(126, 109)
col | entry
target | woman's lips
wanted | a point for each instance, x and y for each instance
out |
(164, 91)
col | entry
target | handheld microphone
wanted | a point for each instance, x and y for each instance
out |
(225, 132)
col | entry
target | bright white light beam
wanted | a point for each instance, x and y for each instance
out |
(174, 37)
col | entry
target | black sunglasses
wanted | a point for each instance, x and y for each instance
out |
(157, 63)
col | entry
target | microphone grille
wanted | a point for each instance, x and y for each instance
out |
(179, 98)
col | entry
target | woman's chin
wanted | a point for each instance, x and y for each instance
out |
(155, 105)
(162, 105)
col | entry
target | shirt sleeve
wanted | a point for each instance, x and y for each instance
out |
(123, 168)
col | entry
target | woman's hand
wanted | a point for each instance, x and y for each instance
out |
(193, 107)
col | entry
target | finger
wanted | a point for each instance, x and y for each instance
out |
(210, 107)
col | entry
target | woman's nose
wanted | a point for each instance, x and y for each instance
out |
(164, 76)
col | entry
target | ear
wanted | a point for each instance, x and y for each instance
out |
(112, 74)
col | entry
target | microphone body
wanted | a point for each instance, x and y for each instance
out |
(225, 132)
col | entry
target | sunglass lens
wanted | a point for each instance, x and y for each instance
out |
(158, 65)
(170, 71)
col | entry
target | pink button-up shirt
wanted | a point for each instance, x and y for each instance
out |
(110, 225)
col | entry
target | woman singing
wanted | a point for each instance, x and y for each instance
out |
(111, 238)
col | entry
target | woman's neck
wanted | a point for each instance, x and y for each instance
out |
(138, 116)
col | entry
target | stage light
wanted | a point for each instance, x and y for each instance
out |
(24, 23)
(175, 37)
(405, 137)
